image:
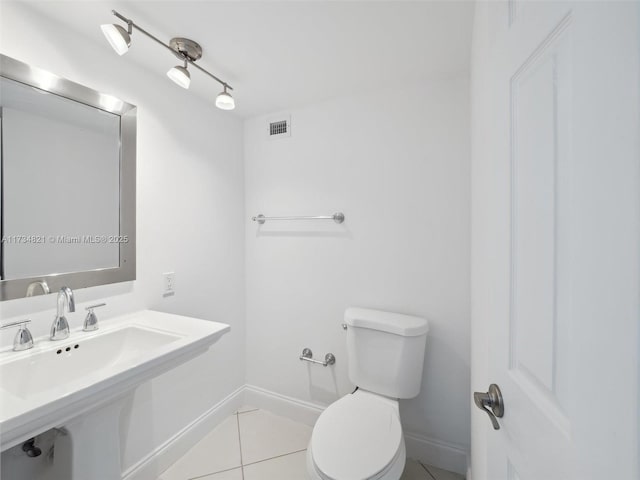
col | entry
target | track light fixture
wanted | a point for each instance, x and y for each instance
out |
(185, 49)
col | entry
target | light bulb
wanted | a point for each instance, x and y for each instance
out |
(180, 75)
(118, 38)
(225, 101)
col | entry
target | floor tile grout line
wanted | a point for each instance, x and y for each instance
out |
(273, 458)
(215, 473)
(428, 471)
(240, 445)
(248, 464)
(247, 411)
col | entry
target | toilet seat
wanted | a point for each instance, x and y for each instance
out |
(357, 437)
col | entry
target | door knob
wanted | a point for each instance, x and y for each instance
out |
(491, 402)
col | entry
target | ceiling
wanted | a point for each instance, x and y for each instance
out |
(280, 55)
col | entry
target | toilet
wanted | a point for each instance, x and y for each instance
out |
(359, 437)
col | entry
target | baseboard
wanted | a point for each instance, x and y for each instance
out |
(419, 447)
(447, 456)
(289, 407)
(152, 465)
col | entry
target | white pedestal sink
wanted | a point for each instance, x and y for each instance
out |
(80, 384)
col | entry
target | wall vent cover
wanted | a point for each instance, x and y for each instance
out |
(280, 127)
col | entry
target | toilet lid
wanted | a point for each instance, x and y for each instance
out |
(356, 437)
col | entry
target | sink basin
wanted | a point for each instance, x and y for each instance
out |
(54, 371)
(63, 384)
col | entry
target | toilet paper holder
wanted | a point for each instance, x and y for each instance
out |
(307, 356)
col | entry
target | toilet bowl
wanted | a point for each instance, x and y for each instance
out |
(359, 437)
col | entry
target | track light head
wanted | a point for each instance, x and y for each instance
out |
(117, 37)
(180, 75)
(225, 101)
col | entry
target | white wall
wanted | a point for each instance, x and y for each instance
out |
(398, 167)
(190, 220)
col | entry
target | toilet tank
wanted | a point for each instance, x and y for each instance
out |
(385, 351)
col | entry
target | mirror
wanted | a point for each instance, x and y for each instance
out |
(67, 184)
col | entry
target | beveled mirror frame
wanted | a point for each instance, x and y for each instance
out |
(126, 271)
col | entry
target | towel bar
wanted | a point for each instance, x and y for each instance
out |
(337, 217)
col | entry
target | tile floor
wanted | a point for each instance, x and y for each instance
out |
(254, 444)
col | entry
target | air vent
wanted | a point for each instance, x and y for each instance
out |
(280, 127)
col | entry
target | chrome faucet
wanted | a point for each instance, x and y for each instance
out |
(60, 327)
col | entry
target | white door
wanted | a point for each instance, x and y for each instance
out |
(556, 238)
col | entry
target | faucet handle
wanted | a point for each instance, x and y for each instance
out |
(15, 324)
(91, 320)
(91, 307)
(23, 339)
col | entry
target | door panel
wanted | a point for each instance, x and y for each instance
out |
(556, 238)
(540, 165)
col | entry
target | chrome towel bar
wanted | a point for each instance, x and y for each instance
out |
(337, 217)
(307, 356)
